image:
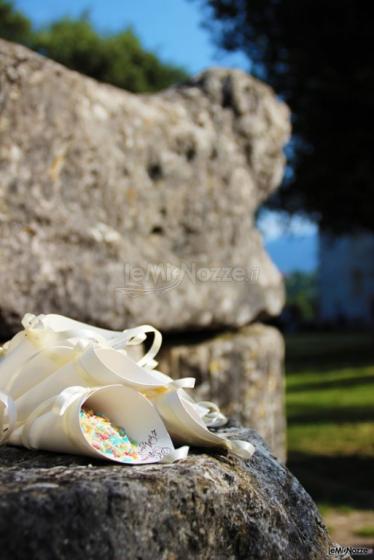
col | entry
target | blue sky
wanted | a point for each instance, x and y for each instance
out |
(292, 244)
(173, 29)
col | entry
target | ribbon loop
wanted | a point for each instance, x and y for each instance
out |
(211, 414)
(138, 335)
(183, 383)
(176, 455)
(241, 448)
(79, 354)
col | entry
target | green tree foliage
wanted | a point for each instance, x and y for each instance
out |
(301, 291)
(318, 57)
(118, 59)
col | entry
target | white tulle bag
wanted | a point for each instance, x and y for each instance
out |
(56, 358)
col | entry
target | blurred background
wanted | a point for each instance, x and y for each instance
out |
(318, 227)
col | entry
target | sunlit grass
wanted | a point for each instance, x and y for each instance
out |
(332, 439)
(330, 412)
(365, 531)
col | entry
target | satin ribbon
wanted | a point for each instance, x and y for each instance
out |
(80, 339)
(118, 341)
(211, 414)
(176, 455)
(241, 448)
(138, 335)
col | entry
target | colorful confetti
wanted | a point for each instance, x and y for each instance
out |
(107, 438)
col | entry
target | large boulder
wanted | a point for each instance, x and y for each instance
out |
(97, 185)
(241, 371)
(208, 506)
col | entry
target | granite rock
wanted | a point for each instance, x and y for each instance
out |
(208, 506)
(98, 185)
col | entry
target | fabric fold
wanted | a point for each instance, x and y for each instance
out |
(67, 386)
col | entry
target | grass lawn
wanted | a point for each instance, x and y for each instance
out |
(330, 410)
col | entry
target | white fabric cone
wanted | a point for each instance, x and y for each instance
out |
(208, 411)
(66, 328)
(55, 424)
(96, 366)
(21, 348)
(60, 323)
(27, 344)
(8, 417)
(37, 351)
(107, 365)
(184, 424)
(63, 327)
(46, 331)
(38, 368)
(56, 360)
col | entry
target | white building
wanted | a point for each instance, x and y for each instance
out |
(346, 278)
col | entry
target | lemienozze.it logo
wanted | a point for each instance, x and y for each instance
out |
(162, 277)
(342, 552)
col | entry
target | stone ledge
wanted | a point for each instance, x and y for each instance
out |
(207, 507)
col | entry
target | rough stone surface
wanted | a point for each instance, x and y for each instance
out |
(93, 178)
(243, 373)
(209, 506)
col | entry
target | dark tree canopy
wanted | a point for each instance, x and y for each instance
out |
(13, 25)
(318, 56)
(118, 59)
